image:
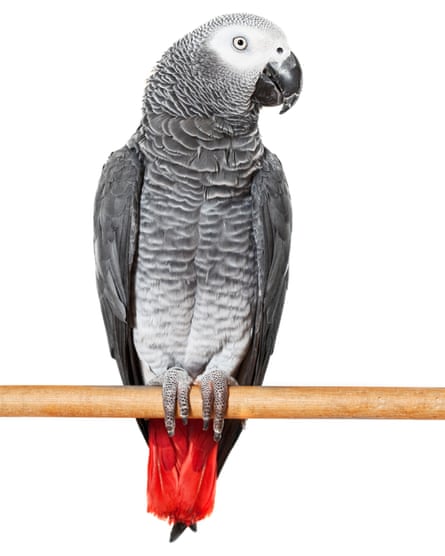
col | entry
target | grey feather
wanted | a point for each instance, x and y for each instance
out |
(272, 230)
(192, 228)
(115, 239)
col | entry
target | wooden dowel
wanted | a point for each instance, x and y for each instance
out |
(245, 402)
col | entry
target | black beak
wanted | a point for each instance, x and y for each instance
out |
(280, 83)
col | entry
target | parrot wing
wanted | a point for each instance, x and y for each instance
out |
(272, 224)
(115, 242)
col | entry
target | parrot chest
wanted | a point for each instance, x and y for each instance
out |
(195, 281)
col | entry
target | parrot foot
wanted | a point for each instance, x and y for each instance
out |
(215, 393)
(175, 384)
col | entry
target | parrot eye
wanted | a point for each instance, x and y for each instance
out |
(240, 43)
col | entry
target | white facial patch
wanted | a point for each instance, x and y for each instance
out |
(263, 46)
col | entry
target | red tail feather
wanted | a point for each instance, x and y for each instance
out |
(181, 472)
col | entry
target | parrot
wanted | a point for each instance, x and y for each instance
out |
(192, 227)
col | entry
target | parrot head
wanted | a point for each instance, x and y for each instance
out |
(228, 67)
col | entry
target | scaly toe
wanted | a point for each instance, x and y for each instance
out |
(215, 392)
(175, 388)
(207, 402)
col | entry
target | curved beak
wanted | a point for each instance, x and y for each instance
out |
(280, 83)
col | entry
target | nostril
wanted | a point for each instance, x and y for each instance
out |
(280, 50)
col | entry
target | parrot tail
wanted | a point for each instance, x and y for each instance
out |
(181, 472)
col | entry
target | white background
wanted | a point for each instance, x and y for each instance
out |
(363, 151)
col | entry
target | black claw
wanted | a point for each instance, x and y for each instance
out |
(217, 436)
(170, 425)
(185, 420)
(205, 424)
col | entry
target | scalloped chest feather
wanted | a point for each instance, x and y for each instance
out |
(195, 281)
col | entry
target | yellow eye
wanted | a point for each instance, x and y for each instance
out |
(240, 43)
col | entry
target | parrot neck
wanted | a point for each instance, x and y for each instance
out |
(174, 90)
(205, 153)
(230, 124)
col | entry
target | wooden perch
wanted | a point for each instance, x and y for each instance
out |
(245, 402)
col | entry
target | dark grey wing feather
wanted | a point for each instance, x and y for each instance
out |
(115, 241)
(272, 225)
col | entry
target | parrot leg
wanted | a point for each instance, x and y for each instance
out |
(215, 393)
(175, 384)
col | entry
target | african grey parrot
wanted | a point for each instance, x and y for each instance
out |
(192, 230)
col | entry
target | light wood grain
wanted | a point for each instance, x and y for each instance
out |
(245, 402)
